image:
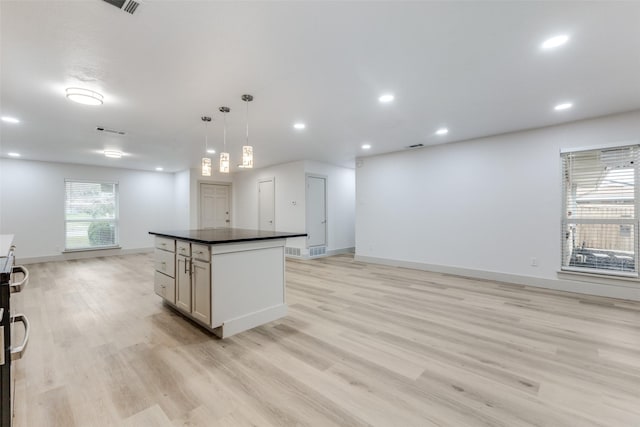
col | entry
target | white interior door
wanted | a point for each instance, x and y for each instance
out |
(214, 206)
(316, 211)
(266, 205)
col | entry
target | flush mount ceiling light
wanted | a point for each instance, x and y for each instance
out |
(13, 154)
(159, 169)
(224, 156)
(366, 146)
(442, 131)
(206, 161)
(386, 98)
(247, 150)
(84, 96)
(211, 151)
(554, 42)
(299, 126)
(563, 106)
(113, 154)
(8, 119)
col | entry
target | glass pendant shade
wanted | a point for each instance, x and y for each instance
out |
(247, 156)
(224, 162)
(206, 166)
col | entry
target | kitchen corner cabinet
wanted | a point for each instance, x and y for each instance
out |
(227, 280)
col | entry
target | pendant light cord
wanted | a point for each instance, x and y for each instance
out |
(247, 122)
(224, 137)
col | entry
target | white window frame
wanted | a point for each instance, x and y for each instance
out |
(564, 221)
(116, 219)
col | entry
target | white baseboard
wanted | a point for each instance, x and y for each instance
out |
(627, 291)
(340, 251)
(81, 255)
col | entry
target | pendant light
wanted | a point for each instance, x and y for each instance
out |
(247, 150)
(224, 156)
(206, 161)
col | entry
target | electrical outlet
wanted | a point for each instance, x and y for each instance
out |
(534, 262)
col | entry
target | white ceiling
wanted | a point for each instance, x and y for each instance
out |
(474, 67)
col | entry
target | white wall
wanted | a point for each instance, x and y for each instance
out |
(485, 205)
(290, 203)
(32, 204)
(340, 203)
(182, 199)
(289, 188)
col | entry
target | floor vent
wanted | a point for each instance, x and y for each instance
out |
(317, 251)
(292, 251)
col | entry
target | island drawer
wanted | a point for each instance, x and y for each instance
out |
(201, 252)
(183, 248)
(165, 262)
(165, 286)
(165, 244)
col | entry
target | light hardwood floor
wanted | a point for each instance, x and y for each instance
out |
(363, 345)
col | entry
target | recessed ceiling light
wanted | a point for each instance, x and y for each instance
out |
(84, 96)
(386, 98)
(211, 151)
(10, 119)
(13, 154)
(366, 146)
(442, 131)
(563, 106)
(555, 41)
(159, 169)
(299, 126)
(114, 154)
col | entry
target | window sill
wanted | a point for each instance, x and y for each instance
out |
(101, 248)
(608, 279)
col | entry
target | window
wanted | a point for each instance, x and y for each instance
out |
(91, 215)
(599, 223)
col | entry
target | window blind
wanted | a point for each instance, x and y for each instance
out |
(599, 221)
(91, 214)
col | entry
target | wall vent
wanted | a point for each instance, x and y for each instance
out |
(292, 251)
(416, 146)
(118, 132)
(128, 6)
(317, 251)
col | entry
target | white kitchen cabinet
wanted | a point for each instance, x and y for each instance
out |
(165, 286)
(193, 280)
(164, 261)
(183, 282)
(201, 290)
(228, 280)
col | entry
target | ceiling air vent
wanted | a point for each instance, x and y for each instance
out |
(117, 132)
(129, 6)
(416, 146)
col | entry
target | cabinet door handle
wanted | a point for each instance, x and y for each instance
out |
(18, 286)
(17, 352)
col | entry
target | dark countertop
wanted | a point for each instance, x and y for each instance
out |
(212, 236)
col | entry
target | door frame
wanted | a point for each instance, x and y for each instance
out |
(267, 179)
(326, 207)
(199, 199)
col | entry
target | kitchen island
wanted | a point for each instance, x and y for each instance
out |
(228, 280)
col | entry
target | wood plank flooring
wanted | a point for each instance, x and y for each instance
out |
(363, 345)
